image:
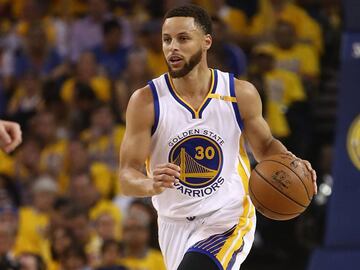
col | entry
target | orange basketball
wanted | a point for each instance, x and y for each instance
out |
(281, 187)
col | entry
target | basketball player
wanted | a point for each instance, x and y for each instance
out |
(10, 135)
(189, 126)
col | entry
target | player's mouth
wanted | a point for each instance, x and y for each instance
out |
(175, 60)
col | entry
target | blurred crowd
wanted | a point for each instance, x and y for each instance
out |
(67, 71)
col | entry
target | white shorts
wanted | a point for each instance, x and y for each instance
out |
(226, 240)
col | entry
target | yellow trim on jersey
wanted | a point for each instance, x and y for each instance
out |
(225, 98)
(241, 170)
(196, 112)
(235, 241)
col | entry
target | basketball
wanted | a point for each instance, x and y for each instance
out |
(281, 187)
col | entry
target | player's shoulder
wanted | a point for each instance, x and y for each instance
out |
(245, 90)
(141, 106)
(141, 97)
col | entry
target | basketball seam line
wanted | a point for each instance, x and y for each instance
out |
(307, 192)
(250, 189)
(279, 190)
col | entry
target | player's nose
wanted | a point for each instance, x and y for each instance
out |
(174, 46)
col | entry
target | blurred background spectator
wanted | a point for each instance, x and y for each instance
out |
(67, 71)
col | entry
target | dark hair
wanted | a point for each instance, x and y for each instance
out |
(62, 203)
(110, 243)
(84, 92)
(56, 256)
(75, 211)
(110, 25)
(75, 250)
(199, 14)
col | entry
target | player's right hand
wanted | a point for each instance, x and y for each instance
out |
(10, 135)
(165, 176)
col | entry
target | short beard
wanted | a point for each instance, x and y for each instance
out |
(194, 60)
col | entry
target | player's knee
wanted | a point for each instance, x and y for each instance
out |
(197, 261)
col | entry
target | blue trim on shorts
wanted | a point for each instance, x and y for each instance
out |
(156, 106)
(234, 104)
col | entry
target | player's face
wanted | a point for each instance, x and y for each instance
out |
(184, 44)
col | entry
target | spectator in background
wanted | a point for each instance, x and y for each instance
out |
(6, 74)
(106, 227)
(110, 55)
(293, 56)
(31, 12)
(223, 54)
(104, 136)
(9, 193)
(86, 33)
(86, 74)
(78, 221)
(81, 92)
(78, 161)
(110, 254)
(85, 195)
(137, 253)
(27, 99)
(52, 103)
(8, 210)
(7, 239)
(282, 92)
(34, 219)
(44, 129)
(60, 239)
(31, 261)
(24, 168)
(136, 74)
(143, 208)
(39, 56)
(61, 206)
(306, 28)
(75, 258)
(152, 41)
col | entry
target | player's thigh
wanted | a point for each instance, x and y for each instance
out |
(197, 261)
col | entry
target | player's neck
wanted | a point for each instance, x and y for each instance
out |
(196, 82)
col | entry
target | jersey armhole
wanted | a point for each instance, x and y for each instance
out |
(156, 107)
(234, 104)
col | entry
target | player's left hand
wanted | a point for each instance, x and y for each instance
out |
(309, 168)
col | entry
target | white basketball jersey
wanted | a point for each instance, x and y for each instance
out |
(205, 144)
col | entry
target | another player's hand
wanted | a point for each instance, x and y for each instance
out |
(309, 168)
(10, 135)
(165, 176)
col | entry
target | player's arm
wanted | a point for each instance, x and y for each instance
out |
(257, 131)
(135, 149)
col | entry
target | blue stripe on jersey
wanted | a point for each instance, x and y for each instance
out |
(213, 90)
(235, 106)
(156, 106)
(172, 91)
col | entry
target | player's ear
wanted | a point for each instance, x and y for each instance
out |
(207, 41)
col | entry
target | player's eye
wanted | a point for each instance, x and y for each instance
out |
(183, 38)
(167, 40)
